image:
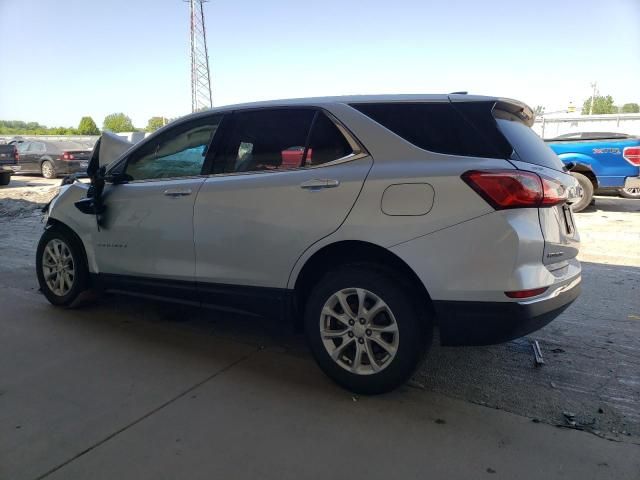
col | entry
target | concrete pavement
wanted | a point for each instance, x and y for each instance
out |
(95, 393)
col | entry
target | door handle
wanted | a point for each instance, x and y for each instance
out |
(318, 183)
(177, 192)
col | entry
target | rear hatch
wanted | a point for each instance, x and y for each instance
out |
(532, 154)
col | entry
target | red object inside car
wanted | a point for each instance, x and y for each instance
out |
(292, 157)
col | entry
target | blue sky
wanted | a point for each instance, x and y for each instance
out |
(60, 60)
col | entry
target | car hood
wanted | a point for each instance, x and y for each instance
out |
(108, 149)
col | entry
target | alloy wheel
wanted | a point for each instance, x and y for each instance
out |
(359, 331)
(58, 267)
(632, 191)
(47, 170)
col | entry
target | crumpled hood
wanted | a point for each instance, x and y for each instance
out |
(112, 146)
(107, 149)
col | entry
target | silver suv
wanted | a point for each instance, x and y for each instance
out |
(366, 221)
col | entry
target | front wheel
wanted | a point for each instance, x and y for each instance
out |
(587, 192)
(365, 330)
(61, 266)
(630, 192)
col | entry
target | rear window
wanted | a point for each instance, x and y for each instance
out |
(441, 128)
(529, 146)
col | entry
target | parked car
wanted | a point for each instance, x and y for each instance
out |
(8, 163)
(53, 158)
(601, 161)
(367, 221)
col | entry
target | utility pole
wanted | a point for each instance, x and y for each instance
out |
(200, 76)
(594, 85)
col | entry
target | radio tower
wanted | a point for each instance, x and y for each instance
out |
(200, 78)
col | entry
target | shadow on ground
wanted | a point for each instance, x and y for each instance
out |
(592, 354)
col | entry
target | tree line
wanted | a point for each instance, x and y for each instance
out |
(603, 104)
(114, 122)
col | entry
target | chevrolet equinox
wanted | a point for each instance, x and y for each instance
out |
(367, 221)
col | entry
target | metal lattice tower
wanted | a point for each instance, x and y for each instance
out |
(200, 76)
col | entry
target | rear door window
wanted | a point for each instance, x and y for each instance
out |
(265, 140)
(326, 143)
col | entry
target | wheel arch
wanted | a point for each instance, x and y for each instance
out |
(354, 251)
(587, 172)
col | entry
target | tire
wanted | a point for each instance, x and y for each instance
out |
(392, 366)
(633, 193)
(59, 243)
(48, 170)
(5, 178)
(587, 189)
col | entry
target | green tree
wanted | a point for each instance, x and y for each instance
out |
(601, 104)
(538, 111)
(630, 108)
(88, 127)
(155, 123)
(117, 122)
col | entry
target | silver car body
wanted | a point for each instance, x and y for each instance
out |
(260, 229)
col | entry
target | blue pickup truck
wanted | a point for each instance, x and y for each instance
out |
(600, 162)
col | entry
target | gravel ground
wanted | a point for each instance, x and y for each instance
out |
(592, 351)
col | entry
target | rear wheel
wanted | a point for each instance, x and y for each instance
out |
(61, 266)
(5, 178)
(47, 169)
(587, 192)
(364, 329)
(631, 192)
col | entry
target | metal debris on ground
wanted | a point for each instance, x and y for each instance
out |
(537, 353)
(570, 418)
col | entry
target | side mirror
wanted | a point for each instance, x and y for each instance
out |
(89, 206)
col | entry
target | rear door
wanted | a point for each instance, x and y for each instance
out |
(532, 154)
(285, 179)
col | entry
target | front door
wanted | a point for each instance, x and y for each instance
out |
(147, 232)
(283, 180)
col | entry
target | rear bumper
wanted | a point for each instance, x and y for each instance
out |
(72, 166)
(486, 323)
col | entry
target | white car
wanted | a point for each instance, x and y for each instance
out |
(366, 221)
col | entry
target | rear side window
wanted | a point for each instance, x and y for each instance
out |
(529, 146)
(437, 127)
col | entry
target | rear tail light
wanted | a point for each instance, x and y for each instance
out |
(504, 189)
(526, 293)
(67, 156)
(632, 155)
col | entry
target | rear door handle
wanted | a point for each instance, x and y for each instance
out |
(177, 192)
(318, 183)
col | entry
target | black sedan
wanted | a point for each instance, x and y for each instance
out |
(53, 158)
